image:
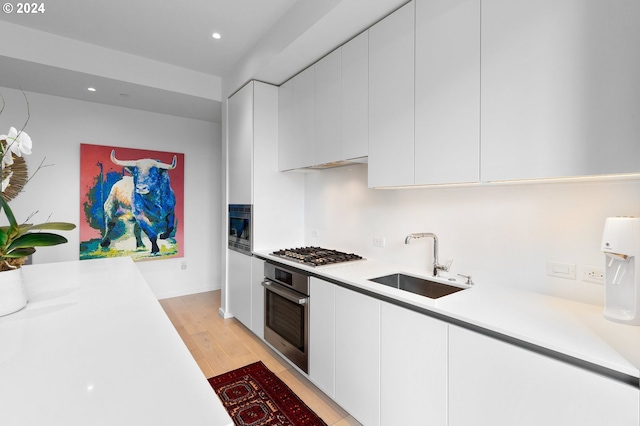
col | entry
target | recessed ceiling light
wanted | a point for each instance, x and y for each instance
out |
(216, 36)
(91, 89)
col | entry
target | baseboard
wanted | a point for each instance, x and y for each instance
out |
(224, 314)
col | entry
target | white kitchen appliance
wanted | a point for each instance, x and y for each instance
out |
(621, 246)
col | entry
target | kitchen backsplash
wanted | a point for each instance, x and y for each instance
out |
(501, 234)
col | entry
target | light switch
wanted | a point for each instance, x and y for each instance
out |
(561, 270)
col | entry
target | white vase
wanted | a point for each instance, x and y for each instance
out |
(13, 294)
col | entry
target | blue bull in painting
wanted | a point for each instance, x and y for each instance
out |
(145, 198)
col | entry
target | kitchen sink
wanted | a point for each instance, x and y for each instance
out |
(421, 286)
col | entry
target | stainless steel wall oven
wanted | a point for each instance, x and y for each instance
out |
(240, 228)
(286, 307)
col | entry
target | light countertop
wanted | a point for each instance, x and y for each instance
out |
(569, 328)
(94, 347)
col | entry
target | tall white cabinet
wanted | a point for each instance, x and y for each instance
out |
(560, 88)
(253, 178)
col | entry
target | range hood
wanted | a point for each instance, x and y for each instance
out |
(334, 164)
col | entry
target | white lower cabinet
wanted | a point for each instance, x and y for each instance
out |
(357, 351)
(257, 297)
(495, 383)
(246, 296)
(322, 341)
(239, 286)
(413, 368)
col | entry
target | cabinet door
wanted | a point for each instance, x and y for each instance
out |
(391, 99)
(239, 286)
(322, 356)
(447, 119)
(355, 97)
(303, 118)
(327, 109)
(358, 355)
(560, 88)
(257, 297)
(240, 145)
(286, 141)
(496, 383)
(413, 368)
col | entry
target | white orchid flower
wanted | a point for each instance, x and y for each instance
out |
(18, 142)
(7, 159)
(5, 182)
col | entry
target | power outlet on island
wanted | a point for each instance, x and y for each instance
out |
(378, 242)
(593, 274)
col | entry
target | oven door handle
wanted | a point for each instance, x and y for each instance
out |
(282, 291)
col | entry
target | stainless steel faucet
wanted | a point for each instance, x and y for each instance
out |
(436, 266)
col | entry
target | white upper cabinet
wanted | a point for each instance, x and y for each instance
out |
(355, 97)
(391, 99)
(560, 88)
(240, 148)
(296, 121)
(324, 109)
(285, 127)
(304, 118)
(447, 103)
(328, 143)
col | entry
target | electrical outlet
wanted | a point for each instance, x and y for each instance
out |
(315, 233)
(378, 241)
(593, 274)
(183, 265)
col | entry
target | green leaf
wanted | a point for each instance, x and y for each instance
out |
(21, 252)
(58, 226)
(39, 239)
(4, 236)
(7, 211)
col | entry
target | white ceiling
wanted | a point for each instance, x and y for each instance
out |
(268, 40)
(174, 32)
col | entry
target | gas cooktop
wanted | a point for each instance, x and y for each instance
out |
(316, 256)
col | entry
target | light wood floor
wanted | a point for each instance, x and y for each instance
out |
(220, 345)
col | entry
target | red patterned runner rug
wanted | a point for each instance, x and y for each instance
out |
(254, 396)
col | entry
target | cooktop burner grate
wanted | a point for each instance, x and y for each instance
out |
(316, 256)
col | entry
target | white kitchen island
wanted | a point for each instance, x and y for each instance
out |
(94, 347)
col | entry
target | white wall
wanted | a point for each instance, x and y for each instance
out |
(58, 126)
(499, 234)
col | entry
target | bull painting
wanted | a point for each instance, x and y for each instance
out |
(131, 204)
(147, 195)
